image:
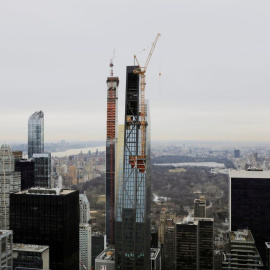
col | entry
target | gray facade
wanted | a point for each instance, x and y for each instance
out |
(241, 252)
(84, 209)
(106, 259)
(85, 233)
(10, 181)
(6, 240)
(85, 246)
(36, 134)
(31, 256)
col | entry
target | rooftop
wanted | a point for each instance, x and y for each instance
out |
(29, 248)
(5, 150)
(37, 115)
(83, 198)
(154, 253)
(107, 254)
(4, 233)
(41, 155)
(249, 174)
(241, 235)
(193, 220)
(84, 225)
(46, 191)
(5, 146)
(115, 79)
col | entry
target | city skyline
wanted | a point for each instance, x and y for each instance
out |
(213, 59)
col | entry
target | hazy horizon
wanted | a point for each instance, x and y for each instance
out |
(155, 141)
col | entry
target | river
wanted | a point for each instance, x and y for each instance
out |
(193, 164)
(85, 150)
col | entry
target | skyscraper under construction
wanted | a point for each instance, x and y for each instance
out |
(132, 219)
(112, 101)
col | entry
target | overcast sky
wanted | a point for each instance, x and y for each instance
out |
(214, 57)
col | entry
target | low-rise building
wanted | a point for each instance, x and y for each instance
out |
(31, 256)
(106, 259)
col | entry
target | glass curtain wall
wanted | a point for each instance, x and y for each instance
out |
(36, 134)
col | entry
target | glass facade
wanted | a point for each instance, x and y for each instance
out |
(133, 203)
(97, 246)
(51, 217)
(28, 260)
(186, 246)
(249, 205)
(42, 170)
(27, 170)
(194, 244)
(35, 133)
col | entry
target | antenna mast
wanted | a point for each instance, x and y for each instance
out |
(111, 63)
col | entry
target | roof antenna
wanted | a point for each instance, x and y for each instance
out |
(111, 63)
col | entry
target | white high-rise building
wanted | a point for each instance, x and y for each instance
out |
(84, 209)
(6, 241)
(85, 233)
(10, 181)
(85, 246)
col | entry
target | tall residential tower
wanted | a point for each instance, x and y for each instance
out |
(132, 219)
(85, 233)
(36, 134)
(112, 101)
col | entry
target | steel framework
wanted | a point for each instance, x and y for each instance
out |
(112, 86)
(133, 204)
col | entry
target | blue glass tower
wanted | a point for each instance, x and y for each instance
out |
(35, 134)
(132, 218)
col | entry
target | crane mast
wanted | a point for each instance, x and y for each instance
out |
(141, 71)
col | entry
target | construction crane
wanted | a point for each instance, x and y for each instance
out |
(141, 71)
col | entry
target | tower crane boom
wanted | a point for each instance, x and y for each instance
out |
(141, 71)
